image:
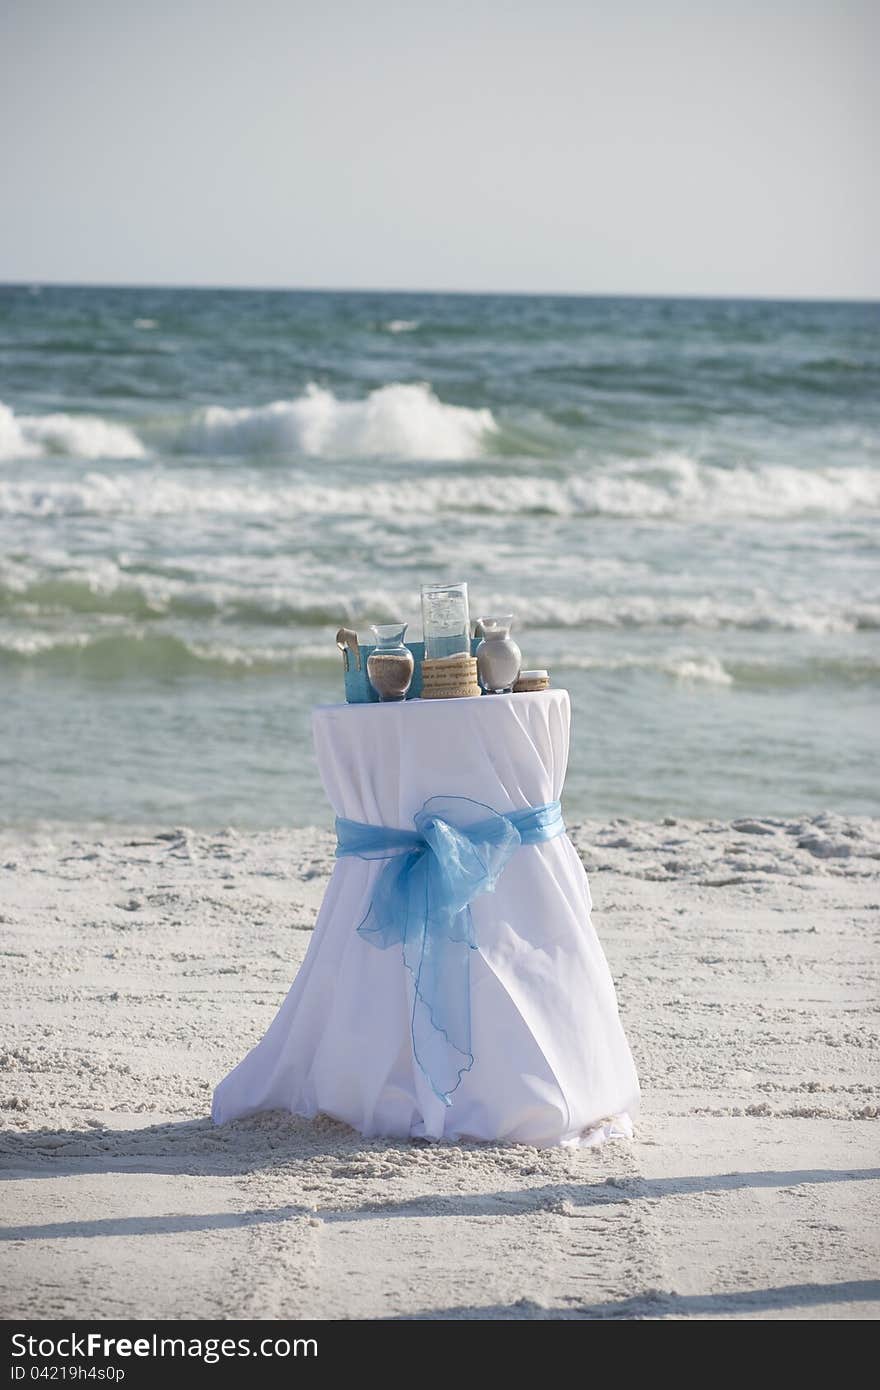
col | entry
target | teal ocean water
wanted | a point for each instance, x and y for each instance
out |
(677, 499)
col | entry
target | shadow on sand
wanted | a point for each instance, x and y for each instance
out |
(196, 1147)
(745, 1302)
(271, 1141)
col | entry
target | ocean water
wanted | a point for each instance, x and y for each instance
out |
(677, 499)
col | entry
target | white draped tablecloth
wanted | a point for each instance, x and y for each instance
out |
(551, 1062)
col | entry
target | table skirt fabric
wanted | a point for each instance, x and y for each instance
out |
(551, 1062)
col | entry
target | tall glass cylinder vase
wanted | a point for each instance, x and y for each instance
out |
(445, 620)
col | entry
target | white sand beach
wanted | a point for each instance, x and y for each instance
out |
(138, 968)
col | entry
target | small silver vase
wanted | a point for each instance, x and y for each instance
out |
(498, 657)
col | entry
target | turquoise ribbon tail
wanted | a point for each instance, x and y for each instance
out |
(421, 902)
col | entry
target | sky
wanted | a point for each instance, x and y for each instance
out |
(706, 147)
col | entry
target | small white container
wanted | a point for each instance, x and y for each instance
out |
(498, 657)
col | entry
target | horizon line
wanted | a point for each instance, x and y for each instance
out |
(206, 287)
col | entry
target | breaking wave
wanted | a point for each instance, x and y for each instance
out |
(150, 652)
(666, 487)
(77, 436)
(397, 421)
(111, 591)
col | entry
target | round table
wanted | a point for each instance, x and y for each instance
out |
(551, 1062)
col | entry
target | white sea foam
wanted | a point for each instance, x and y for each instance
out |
(33, 644)
(675, 485)
(100, 586)
(397, 421)
(409, 422)
(402, 325)
(688, 667)
(659, 489)
(696, 669)
(140, 649)
(761, 613)
(122, 647)
(78, 436)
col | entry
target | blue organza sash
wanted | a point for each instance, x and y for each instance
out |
(421, 900)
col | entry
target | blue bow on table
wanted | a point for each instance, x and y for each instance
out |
(422, 900)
